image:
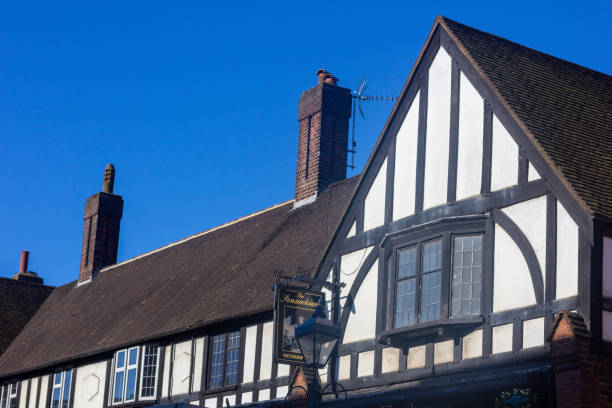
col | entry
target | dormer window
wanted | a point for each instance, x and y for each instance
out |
(434, 280)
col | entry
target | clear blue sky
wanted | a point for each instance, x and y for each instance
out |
(196, 105)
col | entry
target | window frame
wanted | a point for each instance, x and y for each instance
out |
(225, 352)
(62, 387)
(9, 388)
(139, 367)
(445, 229)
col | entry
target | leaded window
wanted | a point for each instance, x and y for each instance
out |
(8, 395)
(150, 364)
(467, 275)
(225, 353)
(60, 392)
(133, 368)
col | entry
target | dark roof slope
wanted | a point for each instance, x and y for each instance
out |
(19, 301)
(565, 107)
(218, 275)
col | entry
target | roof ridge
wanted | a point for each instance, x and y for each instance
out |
(443, 19)
(197, 235)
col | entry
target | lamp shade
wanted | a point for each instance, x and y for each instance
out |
(317, 338)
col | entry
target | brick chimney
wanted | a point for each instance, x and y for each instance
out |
(102, 217)
(323, 115)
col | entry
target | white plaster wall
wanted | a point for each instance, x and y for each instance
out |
(607, 266)
(606, 325)
(210, 402)
(33, 392)
(362, 324)
(264, 395)
(567, 254)
(229, 399)
(512, 286)
(23, 391)
(374, 203)
(198, 360)
(502, 338)
(265, 370)
(282, 370)
(44, 385)
(416, 357)
(532, 173)
(533, 332)
(472, 345)
(181, 370)
(350, 264)
(404, 181)
(443, 352)
(438, 130)
(353, 231)
(469, 154)
(504, 158)
(281, 392)
(390, 360)
(530, 217)
(90, 384)
(365, 365)
(247, 397)
(344, 367)
(250, 343)
(166, 373)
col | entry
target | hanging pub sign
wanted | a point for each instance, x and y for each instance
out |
(293, 306)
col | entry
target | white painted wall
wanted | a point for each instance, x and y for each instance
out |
(443, 352)
(404, 181)
(198, 360)
(472, 345)
(44, 385)
(533, 332)
(229, 399)
(210, 402)
(362, 324)
(374, 204)
(33, 391)
(90, 384)
(350, 264)
(567, 254)
(344, 367)
(267, 340)
(282, 370)
(502, 338)
(532, 173)
(181, 368)
(530, 217)
(390, 360)
(504, 158)
(353, 231)
(607, 266)
(247, 397)
(264, 395)
(250, 343)
(416, 357)
(365, 365)
(23, 391)
(512, 286)
(281, 392)
(438, 130)
(469, 154)
(166, 373)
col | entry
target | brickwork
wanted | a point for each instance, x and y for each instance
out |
(102, 218)
(323, 116)
(583, 378)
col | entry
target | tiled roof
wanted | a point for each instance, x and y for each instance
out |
(567, 108)
(19, 301)
(214, 276)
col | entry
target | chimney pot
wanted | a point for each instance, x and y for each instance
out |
(109, 179)
(23, 265)
(326, 77)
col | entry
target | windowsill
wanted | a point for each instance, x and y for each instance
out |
(217, 390)
(434, 331)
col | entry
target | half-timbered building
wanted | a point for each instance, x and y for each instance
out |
(475, 248)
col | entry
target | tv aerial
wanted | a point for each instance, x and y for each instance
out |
(359, 96)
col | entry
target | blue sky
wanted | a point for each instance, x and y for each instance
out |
(196, 105)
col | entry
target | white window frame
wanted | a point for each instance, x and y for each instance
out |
(61, 386)
(126, 368)
(11, 390)
(154, 396)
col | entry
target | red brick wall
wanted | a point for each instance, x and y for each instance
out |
(323, 116)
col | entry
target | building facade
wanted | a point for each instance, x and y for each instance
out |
(475, 248)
